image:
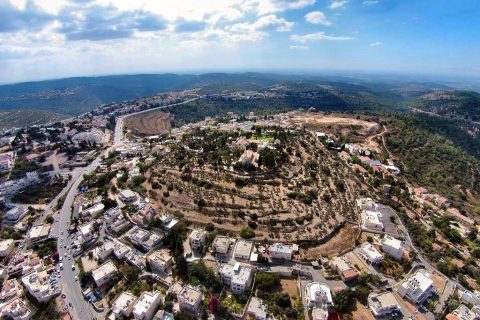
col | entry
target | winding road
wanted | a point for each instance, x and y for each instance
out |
(79, 308)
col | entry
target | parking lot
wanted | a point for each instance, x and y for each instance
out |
(389, 226)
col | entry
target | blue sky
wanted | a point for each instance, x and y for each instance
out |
(43, 39)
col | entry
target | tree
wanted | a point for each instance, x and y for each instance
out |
(362, 293)
(344, 300)
(247, 233)
(267, 281)
(49, 219)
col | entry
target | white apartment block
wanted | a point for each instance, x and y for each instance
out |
(318, 294)
(38, 234)
(6, 246)
(417, 288)
(238, 277)
(10, 290)
(243, 249)
(393, 247)
(160, 261)
(123, 305)
(370, 254)
(41, 285)
(146, 305)
(197, 239)
(190, 299)
(383, 304)
(104, 273)
(280, 251)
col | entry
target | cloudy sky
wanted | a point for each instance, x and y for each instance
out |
(42, 39)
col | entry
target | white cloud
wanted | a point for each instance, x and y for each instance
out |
(370, 2)
(317, 17)
(375, 44)
(338, 4)
(272, 6)
(263, 23)
(317, 36)
(299, 47)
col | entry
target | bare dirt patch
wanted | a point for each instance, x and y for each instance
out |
(148, 123)
(290, 286)
(342, 241)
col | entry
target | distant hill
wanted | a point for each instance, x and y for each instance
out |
(27, 117)
(454, 104)
(74, 96)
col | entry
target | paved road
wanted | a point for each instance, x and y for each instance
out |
(81, 309)
(70, 287)
(118, 135)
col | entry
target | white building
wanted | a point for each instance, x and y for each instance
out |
(127, 196)
(257, 309)
(41, 285)
(104, 273)
(469, 297)
(105, 250)
(370, 254)
(143, 238)
(371, 220)
(383, 304)
(87, 232)
(463, 313)
(190, 299)
(318, 294)
(18, 309)
(146, 305)
(243, 249)
(238, 277)
(393, 247)
(38, 234)
(123, 305)
(197, 239)
(417, 288)
(280, 251)
(94, 210)
(15, 214)
(6, 246)
(221, 246)
(163, 315)
(160, 261)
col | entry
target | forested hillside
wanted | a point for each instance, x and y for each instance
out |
(437, 153)
(454, 104)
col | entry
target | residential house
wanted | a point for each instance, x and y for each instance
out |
(370, 254)
(104, 273)
(146, 305)
(122, 306)
(190, 299)
(237, 276)
(160, 261)
(393, 247)
(243, 249)
(198, 239)
(416, 288)
(383, 304)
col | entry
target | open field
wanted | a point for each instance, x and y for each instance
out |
(148, 123)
